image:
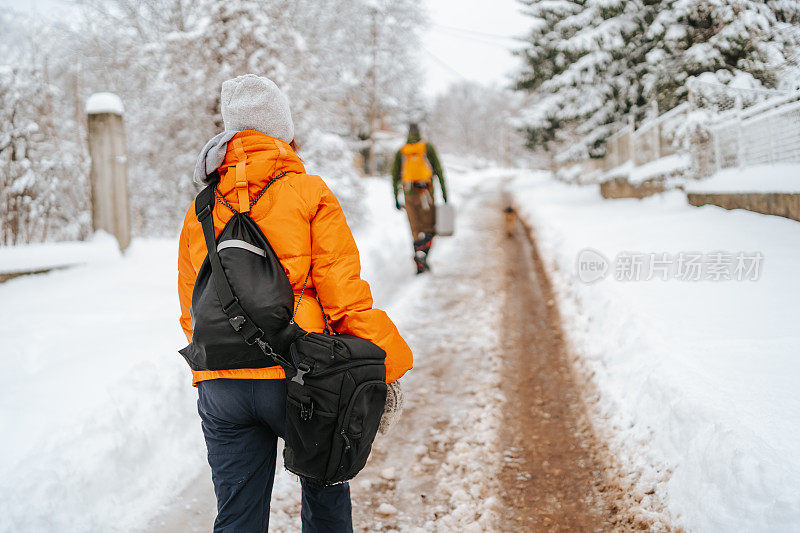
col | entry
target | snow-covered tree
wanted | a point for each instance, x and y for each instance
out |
(342, 64)
(741, 43)
(386, 75)
(585, 66)
(43, 187)
(168, 65)
(474, 120)
(591, 63)
(545, 58)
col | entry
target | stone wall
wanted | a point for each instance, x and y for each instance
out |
(779, 204)
(621, 188)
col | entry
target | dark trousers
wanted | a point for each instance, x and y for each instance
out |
(242, 420)
(421, 210)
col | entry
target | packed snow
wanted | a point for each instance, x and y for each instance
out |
(443, 456)
(665, 166)
(781, 177)
(37, 257)
(697, 380)
(104, 103)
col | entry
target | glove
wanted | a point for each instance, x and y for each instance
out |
(397, 204)
(393, 408)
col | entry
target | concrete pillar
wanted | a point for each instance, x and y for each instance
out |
(632, 140)
(656, 131)
(109, 173)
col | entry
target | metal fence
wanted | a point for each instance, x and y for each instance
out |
(765, 133)
(723, 129)
(654, 139)
(619, 148)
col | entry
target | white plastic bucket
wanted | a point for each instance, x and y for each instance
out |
(445, 220)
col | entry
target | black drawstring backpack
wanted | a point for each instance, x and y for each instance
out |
(242, 317)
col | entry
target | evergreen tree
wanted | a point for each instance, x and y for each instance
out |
(738, 42)
(545, 58)
(584, 65)
(590, 64)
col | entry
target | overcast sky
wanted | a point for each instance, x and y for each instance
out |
(467, 39)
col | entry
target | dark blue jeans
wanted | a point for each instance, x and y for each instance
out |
(242, 420)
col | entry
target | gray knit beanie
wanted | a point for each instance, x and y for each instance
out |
(253, 102)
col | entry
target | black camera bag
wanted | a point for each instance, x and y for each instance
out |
(242, 317)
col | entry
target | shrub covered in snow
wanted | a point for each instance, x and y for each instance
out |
(43, 187)
(329, 156)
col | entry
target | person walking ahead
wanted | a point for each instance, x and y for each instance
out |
(242, 411)
(414, 166)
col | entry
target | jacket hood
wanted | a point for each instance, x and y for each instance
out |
(219, 154)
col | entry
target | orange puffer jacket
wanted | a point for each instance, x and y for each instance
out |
(306, 227)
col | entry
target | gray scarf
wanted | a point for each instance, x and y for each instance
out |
(211, 157)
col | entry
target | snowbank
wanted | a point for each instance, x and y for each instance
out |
(34, 257)
(104, 103)
(666, 166)
(697, 379)
(669, 166)
(781, 177)
(99, 422)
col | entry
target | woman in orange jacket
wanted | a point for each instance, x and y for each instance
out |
(242, 410)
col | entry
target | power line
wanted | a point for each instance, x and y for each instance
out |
(505, 46)
(478, 33)
(444, 64)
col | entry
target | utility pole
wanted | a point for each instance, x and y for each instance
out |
(373, 105)
(76, 102)
(507, 144)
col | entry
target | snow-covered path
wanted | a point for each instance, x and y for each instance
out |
(495, 436)
(436, 470)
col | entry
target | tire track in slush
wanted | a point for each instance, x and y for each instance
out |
(558, 475)
(552, 476)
